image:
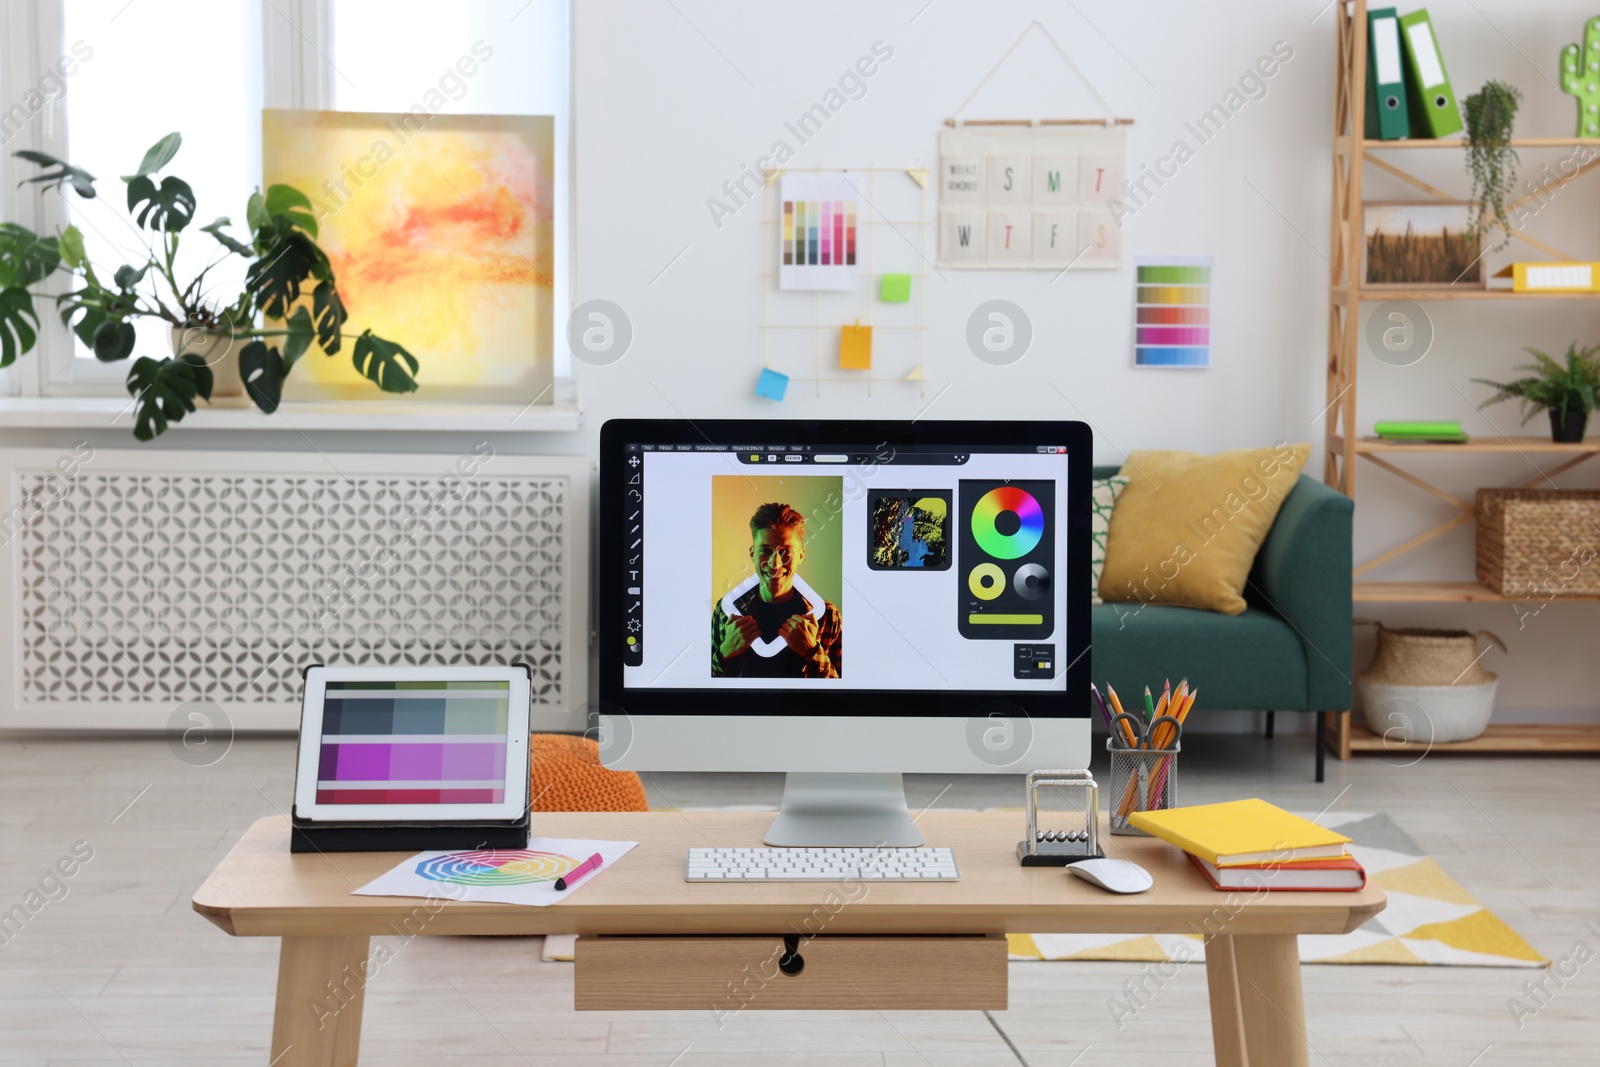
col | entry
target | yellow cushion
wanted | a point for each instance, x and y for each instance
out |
(1186, 529)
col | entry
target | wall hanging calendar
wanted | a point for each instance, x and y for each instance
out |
(1031, 197)
(1031, 194)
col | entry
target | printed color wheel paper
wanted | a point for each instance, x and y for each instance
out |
(502, 876)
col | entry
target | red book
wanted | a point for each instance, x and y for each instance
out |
(1339, 875)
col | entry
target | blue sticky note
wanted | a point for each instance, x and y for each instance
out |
(771, 384)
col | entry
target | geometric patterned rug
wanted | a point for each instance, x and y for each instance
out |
(1430, 919)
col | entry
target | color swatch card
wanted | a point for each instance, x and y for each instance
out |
(501, 876)
(1172, 312)
(818, 239)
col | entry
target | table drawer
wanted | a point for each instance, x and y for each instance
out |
(764, 973)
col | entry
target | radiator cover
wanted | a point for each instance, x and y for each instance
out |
(136, 582)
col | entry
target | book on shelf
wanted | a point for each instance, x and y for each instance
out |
(1561, 277)
(1420, 431)
(1417, 428)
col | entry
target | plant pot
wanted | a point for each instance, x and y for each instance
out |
(1567, 427)
(1426, 714)
(221, 353)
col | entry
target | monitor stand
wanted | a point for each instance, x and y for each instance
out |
(843, 810)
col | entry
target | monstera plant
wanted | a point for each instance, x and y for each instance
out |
(257, 334)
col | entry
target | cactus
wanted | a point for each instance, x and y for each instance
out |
(1580, 77)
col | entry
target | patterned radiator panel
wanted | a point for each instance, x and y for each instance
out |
(167, 587)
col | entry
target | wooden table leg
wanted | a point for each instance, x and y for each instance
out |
(322, 983)
(1270, 1001)
(1227, 1017)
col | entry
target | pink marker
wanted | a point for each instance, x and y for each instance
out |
(591, 864)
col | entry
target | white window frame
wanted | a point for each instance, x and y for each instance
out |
(296, 35)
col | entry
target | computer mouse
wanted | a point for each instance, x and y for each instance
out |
(1118, 876)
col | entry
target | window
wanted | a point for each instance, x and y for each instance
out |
(517, 52)
(206, 68)
(193, 66)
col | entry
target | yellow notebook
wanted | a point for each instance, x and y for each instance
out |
(1241, 832)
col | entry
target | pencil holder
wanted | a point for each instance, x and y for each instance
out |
(1141, 779)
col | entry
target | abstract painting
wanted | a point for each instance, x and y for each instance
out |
(439, 228)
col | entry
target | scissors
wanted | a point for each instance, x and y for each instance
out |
(1143, 732)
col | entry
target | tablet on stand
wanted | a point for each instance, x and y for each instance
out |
(412, 758)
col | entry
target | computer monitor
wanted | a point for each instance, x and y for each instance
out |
(844, 601)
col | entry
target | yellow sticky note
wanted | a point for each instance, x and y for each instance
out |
(855, 347)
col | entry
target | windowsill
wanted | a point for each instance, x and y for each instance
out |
(113, 413)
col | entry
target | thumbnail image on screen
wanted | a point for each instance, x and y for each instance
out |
(908, 528)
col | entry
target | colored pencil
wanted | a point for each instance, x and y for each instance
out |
(1100, 704)
(1127, 731)
(1161, 771)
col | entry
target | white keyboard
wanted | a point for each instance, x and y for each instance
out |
(820, 865)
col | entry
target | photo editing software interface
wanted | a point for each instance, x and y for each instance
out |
(901, 568)
(435, 742)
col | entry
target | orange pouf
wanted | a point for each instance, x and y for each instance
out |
(567, 776)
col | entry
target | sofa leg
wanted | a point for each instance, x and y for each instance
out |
(1270, 724)
(1322, 718)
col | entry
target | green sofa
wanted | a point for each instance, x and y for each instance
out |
(1288, 651)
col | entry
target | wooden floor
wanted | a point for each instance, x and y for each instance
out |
(119, 971)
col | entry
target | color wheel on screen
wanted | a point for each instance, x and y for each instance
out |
(1005, 507)
(496, 868)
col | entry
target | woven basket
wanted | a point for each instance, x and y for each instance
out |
(1428, 657)
(1539, 543)
(1427, 685)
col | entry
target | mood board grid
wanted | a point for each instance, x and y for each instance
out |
(413, 743)
(843, 309)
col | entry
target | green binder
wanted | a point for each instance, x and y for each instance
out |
(1433, 103)
(1387, 117)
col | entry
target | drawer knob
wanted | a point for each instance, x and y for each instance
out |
(791, 962)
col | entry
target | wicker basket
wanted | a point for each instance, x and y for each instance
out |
(1539, 543)
(1427, 685)
(1428, 657)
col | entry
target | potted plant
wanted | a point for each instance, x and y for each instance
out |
(1489, 114)
(218, 348)
(1566, 391)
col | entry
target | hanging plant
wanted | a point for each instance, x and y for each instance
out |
(1490, 159)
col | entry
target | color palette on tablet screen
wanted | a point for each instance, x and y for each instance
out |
(1007, 522)
(1173, 314)
(438, 742)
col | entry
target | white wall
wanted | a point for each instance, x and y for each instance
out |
(671, 99)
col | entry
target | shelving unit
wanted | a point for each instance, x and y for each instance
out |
(1508, 737)
(1352, 153)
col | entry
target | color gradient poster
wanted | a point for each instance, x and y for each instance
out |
(818, 238)
(1172, 312)
(439, 229)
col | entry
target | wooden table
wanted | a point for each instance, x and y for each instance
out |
(652, 941)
